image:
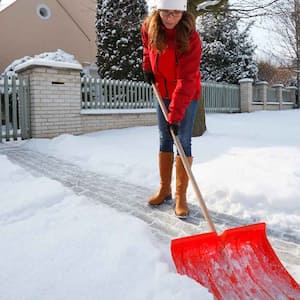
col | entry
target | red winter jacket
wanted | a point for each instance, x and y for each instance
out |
(177, 75)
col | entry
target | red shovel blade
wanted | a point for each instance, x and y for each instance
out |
(239, 264)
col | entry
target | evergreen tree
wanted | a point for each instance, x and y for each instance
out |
(119, 44)
(227, 51)
(197, 8)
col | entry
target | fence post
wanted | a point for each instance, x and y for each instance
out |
(292, 90)
(246, 94)
(55, 97)
(262, 90)
(278, 91)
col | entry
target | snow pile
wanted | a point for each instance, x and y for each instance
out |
(47, 57)
(206, 4)
(58, 246)
(247, 165)
(6, 3)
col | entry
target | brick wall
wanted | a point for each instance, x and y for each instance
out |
(100, 121)
(55, 98)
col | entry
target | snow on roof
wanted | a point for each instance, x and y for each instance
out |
(6, 3)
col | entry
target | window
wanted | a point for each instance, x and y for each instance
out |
(43, 11)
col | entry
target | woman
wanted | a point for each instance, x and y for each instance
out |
(171, 59)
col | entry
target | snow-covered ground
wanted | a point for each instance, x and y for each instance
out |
(56, 245)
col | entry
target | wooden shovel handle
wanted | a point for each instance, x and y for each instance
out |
(186, 164)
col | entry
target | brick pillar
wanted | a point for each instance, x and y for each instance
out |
(262, 90)
(278, 91)
(246, 94)
(55, 97)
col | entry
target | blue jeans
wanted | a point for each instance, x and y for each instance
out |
(185, 129)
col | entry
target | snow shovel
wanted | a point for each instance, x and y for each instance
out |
(238, 264)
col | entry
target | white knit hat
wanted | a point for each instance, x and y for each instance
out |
(171, 4)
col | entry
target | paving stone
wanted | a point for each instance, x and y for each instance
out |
(131, 199)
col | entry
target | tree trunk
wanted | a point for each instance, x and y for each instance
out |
(200, 124)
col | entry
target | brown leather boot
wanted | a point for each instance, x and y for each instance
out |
(181, 207)
(166, 160)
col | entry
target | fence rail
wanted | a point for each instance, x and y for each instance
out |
(288, 96)
(114, 94)
(14, 108)
(271, 95)
(220, 97)
(111, 94)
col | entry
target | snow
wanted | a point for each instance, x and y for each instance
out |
(119, 39)
(58, 245)
(229, 57)
(5, 3)
(206, 4)
(58, 58)
(42, 62)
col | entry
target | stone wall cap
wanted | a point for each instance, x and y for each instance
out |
(244, 80)
(29, 64)
(278, 85)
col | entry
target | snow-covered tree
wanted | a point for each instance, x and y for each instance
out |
(119, 44)
(227, 51)
(199, 7)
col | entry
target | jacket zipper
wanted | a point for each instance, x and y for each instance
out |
(165, 81)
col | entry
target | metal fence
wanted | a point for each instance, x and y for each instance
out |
(115, 94)
(220, 97)
(14, 108)
(287, 96)
(271, 95)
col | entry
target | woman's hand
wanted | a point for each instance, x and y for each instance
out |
(149, 77)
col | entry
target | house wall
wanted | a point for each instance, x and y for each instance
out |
(71, 28)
